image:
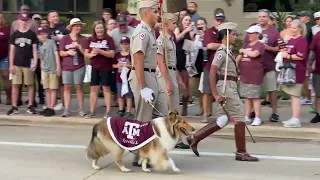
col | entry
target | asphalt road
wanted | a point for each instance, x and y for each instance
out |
(54, 152)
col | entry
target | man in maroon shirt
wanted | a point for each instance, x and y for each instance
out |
(211, 44)
(133, 22)
(270, 41)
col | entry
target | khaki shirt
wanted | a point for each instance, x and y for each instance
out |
(219, 60)
(143, 39)
(171, 50)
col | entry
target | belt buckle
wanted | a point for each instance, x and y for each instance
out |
(149, 70)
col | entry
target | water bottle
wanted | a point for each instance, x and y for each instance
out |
(32, 63)
(75, 60)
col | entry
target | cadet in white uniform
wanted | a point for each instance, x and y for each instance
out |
(143, 81)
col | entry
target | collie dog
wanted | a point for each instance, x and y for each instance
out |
(151, 140)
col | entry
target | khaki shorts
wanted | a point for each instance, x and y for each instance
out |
(270, 81)
(23, 73)
(49, 81)
(293, 90)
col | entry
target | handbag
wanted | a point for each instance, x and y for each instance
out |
(287, 75)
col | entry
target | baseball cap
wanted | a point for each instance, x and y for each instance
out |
(254, 29)
(316, 15)
(25, 7)
(125, 12)
(36, 16)
(42, 30)
(220, 16)
(23, 17)
(305, 13)
(121, 19)
(125, 39)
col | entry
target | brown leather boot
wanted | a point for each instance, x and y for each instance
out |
(201, 134)
(184, 106)
(239, 134)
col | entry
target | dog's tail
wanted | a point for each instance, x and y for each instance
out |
(96, 149)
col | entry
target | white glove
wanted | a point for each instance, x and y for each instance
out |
(147, 94)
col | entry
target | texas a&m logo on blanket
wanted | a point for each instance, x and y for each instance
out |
(130, 134)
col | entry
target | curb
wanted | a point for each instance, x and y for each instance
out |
(267, 130)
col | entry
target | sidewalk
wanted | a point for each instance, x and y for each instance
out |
(268, 129)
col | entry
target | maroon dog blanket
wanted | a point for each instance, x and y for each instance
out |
(130, 134)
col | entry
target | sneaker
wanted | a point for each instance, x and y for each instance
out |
(82, 113)
(274, 117)
(49, 113)
(66, 113)
(204, 119)
(90, 116)
(305, 101)
(256, 122)
(128, 115)
(13, 111)
(247, 120)
(120, 113)
(43, 111)
(107, 115)
(31, 110)
(58, 107)
(316, 119)
(292, 123)
(313, 110)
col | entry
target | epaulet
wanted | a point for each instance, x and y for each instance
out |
(221, 49)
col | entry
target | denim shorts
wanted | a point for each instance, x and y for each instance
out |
(4, 64)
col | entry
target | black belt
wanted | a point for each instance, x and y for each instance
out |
(147, 69)
(229, 78)
(172, 68)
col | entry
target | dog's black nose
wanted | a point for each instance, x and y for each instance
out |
(193, 129)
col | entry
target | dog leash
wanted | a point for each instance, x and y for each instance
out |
(157, 110)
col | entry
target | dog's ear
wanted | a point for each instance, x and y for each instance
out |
(173, 115)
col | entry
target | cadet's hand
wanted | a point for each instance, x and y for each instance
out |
(219, 98)
(147, 94)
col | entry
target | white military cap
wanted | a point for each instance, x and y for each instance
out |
(228, 25)
(170, 16)
(153, 4)
(316, 15)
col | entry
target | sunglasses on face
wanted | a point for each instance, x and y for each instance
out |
(264, 10)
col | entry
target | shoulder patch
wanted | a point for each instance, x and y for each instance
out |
(219, 56)
(142, 35)
(160, 42)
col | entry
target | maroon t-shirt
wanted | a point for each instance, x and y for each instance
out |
(210, 36)
(134, 23)
(251, 69)
(271, 35)
(66, 43)
(315, 46)
(99, 61)
(299, 47)
(121, 59)
(4, 41)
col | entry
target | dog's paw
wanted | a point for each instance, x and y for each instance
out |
(176, 169)
(95, 167)
(126, 170)
(146, 170)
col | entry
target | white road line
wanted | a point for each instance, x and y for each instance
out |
(289, 158)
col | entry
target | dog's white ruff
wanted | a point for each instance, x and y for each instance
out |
(126, 148)
(222, 121)
(165, 138)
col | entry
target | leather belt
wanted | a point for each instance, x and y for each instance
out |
(229, 78)
(172, 68)
(147, 70)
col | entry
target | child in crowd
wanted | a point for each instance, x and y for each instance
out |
(123, 59)
(22, 59)
(50, 69)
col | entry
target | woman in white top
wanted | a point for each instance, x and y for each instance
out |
(286, 33)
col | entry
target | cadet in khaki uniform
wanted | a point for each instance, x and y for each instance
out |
(142, 79)
(233, 103)
(169, 78)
